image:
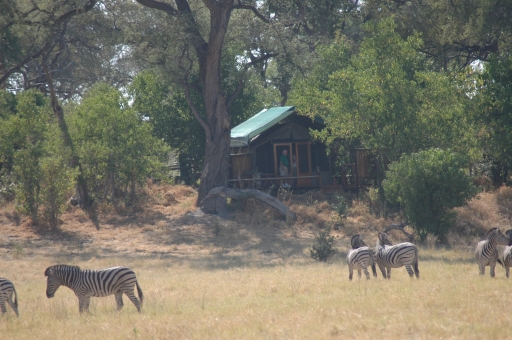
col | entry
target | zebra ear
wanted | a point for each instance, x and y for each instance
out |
(380, 237)
(509, 233)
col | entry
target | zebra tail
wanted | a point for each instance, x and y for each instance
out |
(500, 262)
(15, 297)
(416, 269)
(139, 291)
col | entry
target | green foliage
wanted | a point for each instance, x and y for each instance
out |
(340, 206)
(115, 145)
(25, 143)
(168, 113)
(496, 106)
(56, 182)
(427, 185)
(385, 96)
(324, 247)
(39, 167)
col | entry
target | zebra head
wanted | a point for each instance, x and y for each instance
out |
(509, 233)
(52, 283)
(357, 242)
(59, 275)
(383, 240)
(496, 234)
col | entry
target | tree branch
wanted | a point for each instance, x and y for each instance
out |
(239, 5)
(195, 112)
(241, 83)
(49, 44)
(401, 228)
(162, 6)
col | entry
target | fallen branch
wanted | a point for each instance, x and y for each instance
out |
(241, 194)
(401, 228)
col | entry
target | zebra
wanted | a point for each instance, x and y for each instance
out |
(486, 252)
(87, 283)
(7, 291)
(360, 257)
(390, 256)
(505, 256)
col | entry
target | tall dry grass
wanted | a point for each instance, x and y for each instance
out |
(294, 300)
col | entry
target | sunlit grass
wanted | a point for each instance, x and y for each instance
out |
(300, 300)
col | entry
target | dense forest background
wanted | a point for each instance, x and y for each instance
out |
(95, 95)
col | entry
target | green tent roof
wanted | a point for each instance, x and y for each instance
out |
(242, 134)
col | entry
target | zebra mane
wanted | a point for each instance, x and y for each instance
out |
(61, 268)
(490, 232)
(356, 242)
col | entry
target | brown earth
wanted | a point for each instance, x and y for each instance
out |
(166, 224)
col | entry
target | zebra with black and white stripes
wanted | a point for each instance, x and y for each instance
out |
(505, 255)
(99, 283)
(359, 258)
(390, 256)
(7, 291)
(486, 252)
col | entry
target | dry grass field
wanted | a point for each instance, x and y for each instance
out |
(250, 276)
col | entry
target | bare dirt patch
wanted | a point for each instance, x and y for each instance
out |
(166, 224)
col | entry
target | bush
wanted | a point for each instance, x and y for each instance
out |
(56, 182)
(324, 247)
(427, 185)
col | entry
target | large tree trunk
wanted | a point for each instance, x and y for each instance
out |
(218, 130)
(217, 123)
(215, 171)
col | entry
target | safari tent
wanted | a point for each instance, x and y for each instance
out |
(257, 143)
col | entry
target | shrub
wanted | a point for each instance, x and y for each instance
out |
(427, 185)
(56, 182)
(324, 247)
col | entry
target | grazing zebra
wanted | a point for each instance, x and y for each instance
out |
(505, 256)
(87, 283)
(7, 290)
(360, 257)
(390, 256)
(486, 252)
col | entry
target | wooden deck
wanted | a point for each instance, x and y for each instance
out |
(266, 182)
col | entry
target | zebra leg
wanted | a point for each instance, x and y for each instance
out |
(382, 269)
(507, 269)
(389, 272)
(13, 306)
(350, 272)
(492, 265)
(119, 300)
(409, 270)
(481, 269)
(83, 304)
(363, 265)
(2, 307)
(359, 273)
(133, 299)
(374, 270)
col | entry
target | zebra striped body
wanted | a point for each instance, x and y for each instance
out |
(359, 258)
(99, 283)
(486, 252)
(505, 256)
(394, 256)
(7, 291)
